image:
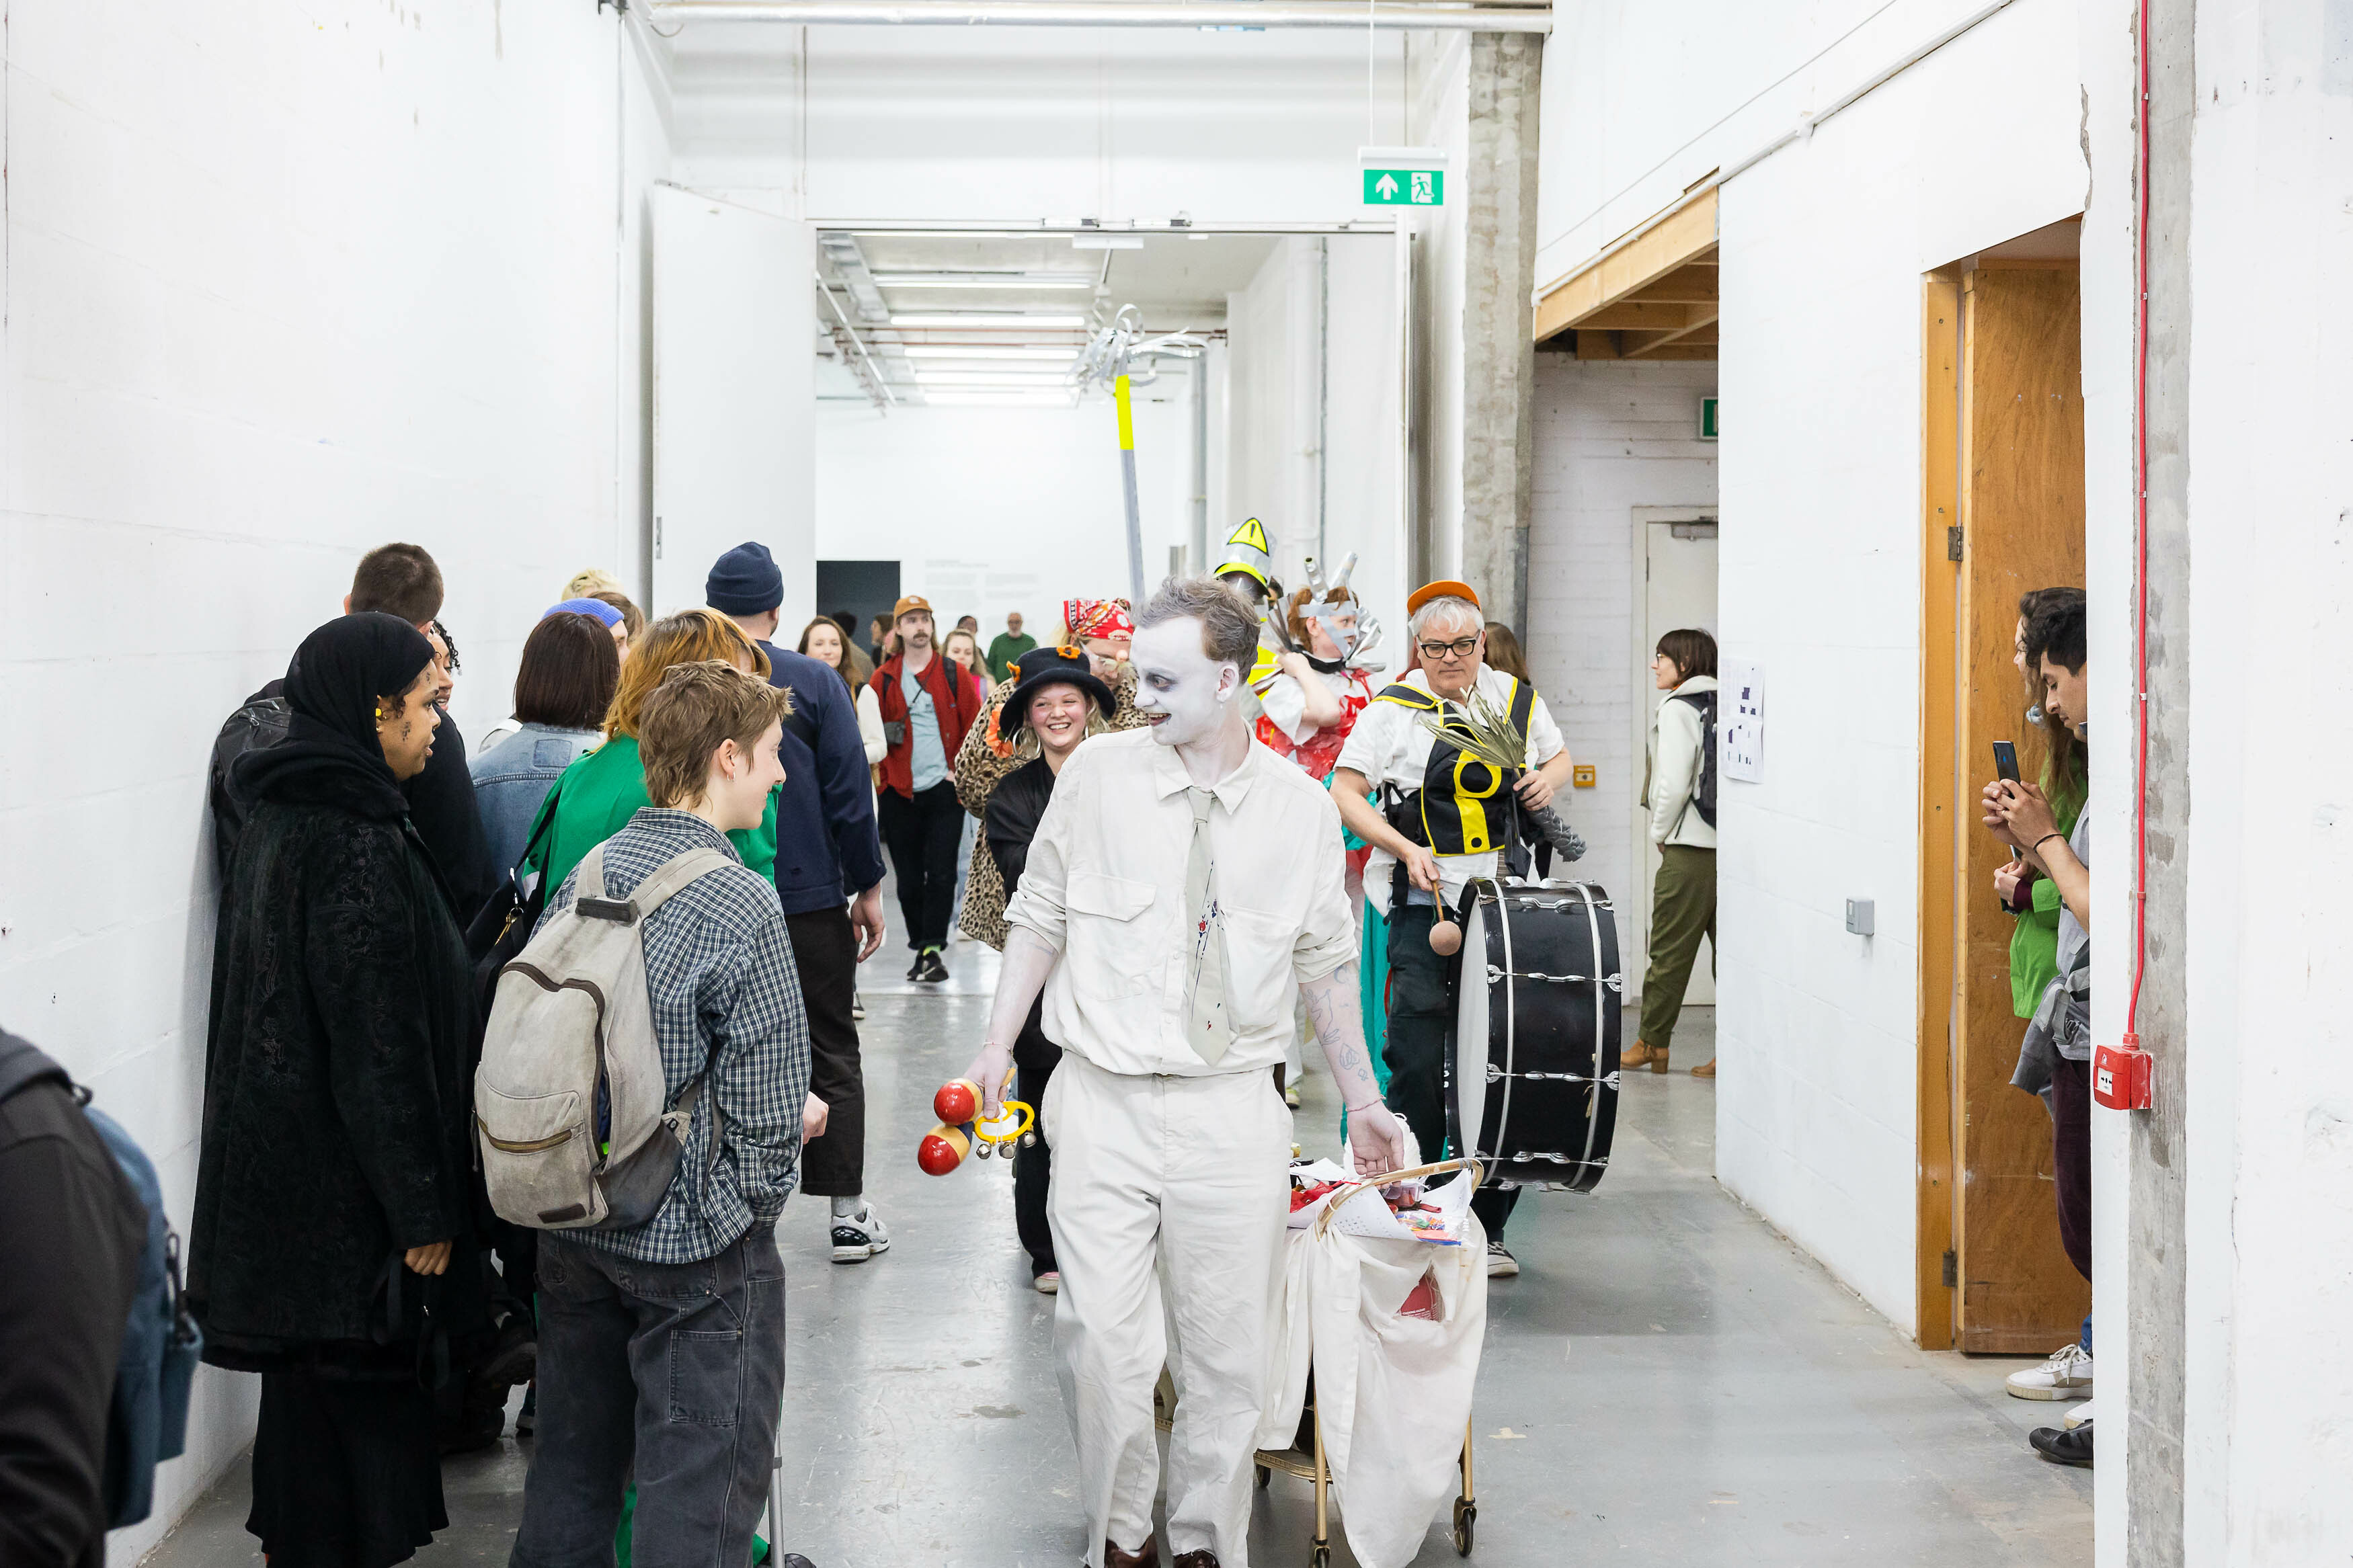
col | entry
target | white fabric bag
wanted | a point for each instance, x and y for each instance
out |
(1394, 1392)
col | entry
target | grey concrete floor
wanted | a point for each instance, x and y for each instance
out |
(1669, 1382)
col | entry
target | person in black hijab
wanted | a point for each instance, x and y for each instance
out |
(332, 1247)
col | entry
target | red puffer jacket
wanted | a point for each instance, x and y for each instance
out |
(955, 701)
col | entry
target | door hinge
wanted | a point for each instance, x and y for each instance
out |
(1952, 1269)
(1953, 543)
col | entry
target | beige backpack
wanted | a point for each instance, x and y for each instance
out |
(575, 1126)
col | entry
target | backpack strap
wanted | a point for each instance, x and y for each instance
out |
(1405, 696)
(673, 875)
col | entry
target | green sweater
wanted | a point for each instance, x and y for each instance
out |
(2034, 943)
(598, 793)
(1005, 650)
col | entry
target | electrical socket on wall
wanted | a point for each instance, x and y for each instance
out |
(1859, 916)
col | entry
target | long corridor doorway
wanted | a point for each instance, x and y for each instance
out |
(1674, 549)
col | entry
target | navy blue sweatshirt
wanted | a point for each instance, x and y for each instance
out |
(827, 848)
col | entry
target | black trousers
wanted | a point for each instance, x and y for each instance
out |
(824, 949)
(921, 835)
(1033, 1171)
(2070, 1158)
(1421, 1037)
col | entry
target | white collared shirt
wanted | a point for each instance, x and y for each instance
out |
(1391, 745)
(1105, 885)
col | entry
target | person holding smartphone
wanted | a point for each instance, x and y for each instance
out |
(2054, 1059)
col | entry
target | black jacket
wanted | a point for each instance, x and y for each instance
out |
(440, 799)
(1009, 824)
(827, 847)
(337, 1089)
(71, 1234)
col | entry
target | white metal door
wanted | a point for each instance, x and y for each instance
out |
(735, 396)
(1677, 550)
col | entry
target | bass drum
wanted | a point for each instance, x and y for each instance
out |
(1536, 1029)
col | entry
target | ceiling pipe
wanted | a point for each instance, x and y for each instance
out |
(1253, 14)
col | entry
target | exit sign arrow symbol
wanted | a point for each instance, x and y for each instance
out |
(1387, 186)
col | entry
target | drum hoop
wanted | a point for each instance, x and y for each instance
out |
(1601, 1019)
(1511, 1022)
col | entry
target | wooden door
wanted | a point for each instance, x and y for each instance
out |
(2015, 477)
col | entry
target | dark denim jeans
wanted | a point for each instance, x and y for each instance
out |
(679, 1367)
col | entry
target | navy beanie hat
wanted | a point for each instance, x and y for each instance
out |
(745, 582)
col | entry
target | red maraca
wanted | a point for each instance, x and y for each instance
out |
(943, 1149)
(958, 1102)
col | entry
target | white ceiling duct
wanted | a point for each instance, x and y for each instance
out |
(1250, 13)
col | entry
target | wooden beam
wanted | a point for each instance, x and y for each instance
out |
(1678, 351)
(1591, 344)
(1693, 283)
(1683, 236)
(1648, 345)
(1640, 317)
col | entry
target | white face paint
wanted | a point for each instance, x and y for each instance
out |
(1180, 691)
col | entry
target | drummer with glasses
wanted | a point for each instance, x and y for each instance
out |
(1432, 834)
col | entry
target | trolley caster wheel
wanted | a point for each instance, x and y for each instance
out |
(1466, 1518)
(1264, 1476)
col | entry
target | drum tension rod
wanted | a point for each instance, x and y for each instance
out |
(1495, 972)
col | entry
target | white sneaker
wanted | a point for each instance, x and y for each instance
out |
(2077, 1417)
(2067, 1375)
(858, 1237)
(1049, 1283)
(1500, 1265)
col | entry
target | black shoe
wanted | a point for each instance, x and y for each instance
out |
(515, 1357)
(915, 970)
(929, 969)
(2063, 1447)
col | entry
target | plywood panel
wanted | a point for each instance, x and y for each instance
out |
(1940, 790)
(2021, 497)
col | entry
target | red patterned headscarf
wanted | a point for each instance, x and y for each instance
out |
(1098, 618)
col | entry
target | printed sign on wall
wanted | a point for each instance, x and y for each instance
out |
(1744, 721)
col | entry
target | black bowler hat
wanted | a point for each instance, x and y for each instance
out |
(1042, 667)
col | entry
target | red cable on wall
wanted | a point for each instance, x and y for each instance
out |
(2140, 553)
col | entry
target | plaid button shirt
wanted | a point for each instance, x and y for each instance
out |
(721, 977)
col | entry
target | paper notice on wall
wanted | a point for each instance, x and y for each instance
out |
(1744, 721)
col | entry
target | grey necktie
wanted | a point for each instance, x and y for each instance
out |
(1206, 1027)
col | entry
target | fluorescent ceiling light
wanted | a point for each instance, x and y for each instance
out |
(965, 351)
(1016, 379)
(1106, 242)
(980, 280)
(995, 400)
(980, 319)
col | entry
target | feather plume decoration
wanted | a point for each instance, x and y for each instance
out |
(1484, 730)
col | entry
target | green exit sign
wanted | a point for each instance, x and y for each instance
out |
(1405, 187)
(1707, 418)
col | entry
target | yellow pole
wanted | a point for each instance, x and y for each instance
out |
(1127, 479)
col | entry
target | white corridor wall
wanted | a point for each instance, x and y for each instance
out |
(1823, 245)
(282, 283)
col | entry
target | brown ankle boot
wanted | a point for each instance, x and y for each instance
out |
(1705, 1070)
(1639, 1055)
(1144, 1556)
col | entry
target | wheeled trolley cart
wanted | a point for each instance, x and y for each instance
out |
(1306, 1458)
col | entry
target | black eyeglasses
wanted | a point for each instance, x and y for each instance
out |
(1460, 647)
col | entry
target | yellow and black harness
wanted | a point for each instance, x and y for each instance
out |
(1455, 810)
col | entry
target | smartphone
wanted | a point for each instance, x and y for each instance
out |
(2005, 760)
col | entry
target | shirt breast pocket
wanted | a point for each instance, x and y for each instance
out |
(1112, 947)
(1258, 967)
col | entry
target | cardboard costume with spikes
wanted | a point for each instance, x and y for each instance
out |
(1329, 603)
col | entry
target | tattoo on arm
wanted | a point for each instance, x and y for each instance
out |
(1333, 1006)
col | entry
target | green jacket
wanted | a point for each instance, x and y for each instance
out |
(597, 795)
(2034, 943)
(1005, 650)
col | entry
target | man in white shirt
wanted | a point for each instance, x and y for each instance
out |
(1184, 886)
(1409, 875)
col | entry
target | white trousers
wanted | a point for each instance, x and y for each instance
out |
(1167, 1208)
